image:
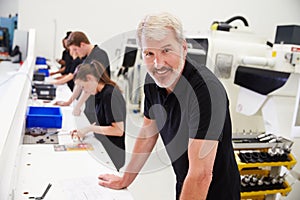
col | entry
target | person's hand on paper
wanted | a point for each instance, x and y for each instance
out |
(61, 103)
(111, 181)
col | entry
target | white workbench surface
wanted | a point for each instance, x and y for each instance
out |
(41, 165)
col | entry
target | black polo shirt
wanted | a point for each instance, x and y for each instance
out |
(67, 58)
(101, 56)
(197, 108)
(110, 107)
(71, 66)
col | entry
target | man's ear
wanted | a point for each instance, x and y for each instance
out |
(89, 77)
(81, 44)
(185, 48)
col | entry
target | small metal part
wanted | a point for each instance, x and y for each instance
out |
(272, 151)
(267, 138)
(279, 151)
(263, 135)
(273, 140)
(260, 182)
(274, 180)
(253, 180)
(35, 131)
(40, 141)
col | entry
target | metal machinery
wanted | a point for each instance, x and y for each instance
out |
(262, 82)
(7, 28)
(4, 43)
(130, 76)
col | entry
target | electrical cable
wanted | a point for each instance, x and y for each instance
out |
(237, 18)
(225, 26)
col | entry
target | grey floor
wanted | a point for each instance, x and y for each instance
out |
(157, 181)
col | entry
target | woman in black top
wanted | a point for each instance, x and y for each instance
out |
(66, 57)
(68, 66)
(110, 109)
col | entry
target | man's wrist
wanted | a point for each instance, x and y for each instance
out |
(127, 179)
(90, 128)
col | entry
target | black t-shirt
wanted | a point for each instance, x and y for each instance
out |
(110, 107)
(101, 56)
(71, 66)
(197, 108)
(66, 57)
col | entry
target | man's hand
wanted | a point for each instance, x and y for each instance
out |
(81, 133)
(61, 103)
(111, 181)
(77, 135)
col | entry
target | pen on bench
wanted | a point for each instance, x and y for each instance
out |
(44, 194)
(46, 191)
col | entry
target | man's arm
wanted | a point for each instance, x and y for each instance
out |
(143, 146)
(116, 129)
(63, 80)
(202, 155)
(76, 92)
(82, 99)
(61, 70)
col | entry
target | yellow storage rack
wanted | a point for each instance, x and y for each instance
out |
(288, 164)
(258, 168)
(260, 195)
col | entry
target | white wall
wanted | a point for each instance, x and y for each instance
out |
(8, 7)
(102, 20)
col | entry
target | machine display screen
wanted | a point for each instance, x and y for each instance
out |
(198, 58)
(129, 56)
(197, 50)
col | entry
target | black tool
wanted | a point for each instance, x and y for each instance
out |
(44, 194)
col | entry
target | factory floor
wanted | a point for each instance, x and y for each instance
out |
(157, 180)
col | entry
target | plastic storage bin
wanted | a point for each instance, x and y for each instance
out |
(45, 117)
(40, 61)
(45, 91)
(43, 71)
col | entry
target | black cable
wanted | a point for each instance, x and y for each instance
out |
(237, 18)
(225, 26)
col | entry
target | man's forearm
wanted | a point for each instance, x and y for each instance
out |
(141, 152)
(195, 188)
(75, 94)
(82, 99)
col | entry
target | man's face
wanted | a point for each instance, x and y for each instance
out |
(164, 59)
(78, 51)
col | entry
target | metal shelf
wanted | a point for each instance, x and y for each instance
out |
(257, 195)
(288, 164)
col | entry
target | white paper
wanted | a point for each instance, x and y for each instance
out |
(87, 188)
